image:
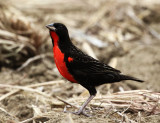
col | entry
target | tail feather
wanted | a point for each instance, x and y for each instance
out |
(126, 77)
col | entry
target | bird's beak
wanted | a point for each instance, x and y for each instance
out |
(51, 27)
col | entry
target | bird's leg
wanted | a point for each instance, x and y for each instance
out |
(92, 92)
(81, 110)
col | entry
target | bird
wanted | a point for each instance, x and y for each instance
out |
(78, 67)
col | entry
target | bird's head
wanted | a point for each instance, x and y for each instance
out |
(59, 28)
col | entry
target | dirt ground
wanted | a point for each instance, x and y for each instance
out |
(125, 35)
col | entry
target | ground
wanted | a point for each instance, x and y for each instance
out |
(124, 35)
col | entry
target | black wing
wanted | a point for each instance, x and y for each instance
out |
(89, 71)
(87, 64)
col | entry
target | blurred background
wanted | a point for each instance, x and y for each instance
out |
(124, 34)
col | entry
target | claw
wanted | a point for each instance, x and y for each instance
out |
(77, 112)
(83, 113)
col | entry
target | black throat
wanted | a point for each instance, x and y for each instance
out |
(64, 43)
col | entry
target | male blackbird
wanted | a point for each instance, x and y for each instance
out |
(78, 67)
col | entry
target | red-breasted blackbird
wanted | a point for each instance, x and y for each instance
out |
(78, 67)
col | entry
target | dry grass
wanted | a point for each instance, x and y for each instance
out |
(19, 37)
(135, 101)
(23, 41)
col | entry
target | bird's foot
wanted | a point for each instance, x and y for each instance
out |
(80, 112)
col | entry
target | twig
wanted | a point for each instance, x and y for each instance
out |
(152, 98)
(113, 62)
(4, 41)
(127, 108)
(30, 60)
(11, 35)
(33, 118)
(46, 83)
(88, 49)
(133, 16)
(97, 15)
(139, 117)
(30, 119)
(31, 86)
(66, 102)
(24, 88)
(2, 109)
(121, 114)
(154, 107)
(8, 94)
(90, 38)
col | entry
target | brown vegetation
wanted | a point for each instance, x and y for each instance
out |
(124, 34)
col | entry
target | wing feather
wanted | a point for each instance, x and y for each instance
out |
(84, 63)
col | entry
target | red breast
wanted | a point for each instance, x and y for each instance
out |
(59, 59)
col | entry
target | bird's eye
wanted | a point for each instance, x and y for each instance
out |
(61, 27)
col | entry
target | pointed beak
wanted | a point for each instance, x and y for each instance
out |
(51, 27)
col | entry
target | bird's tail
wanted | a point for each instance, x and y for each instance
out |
(126, 77)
